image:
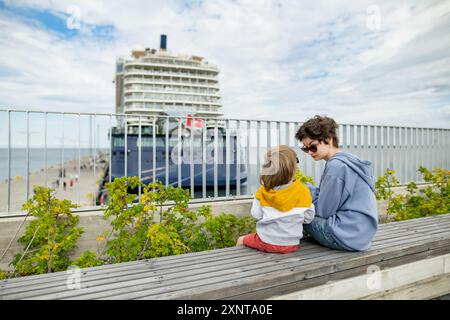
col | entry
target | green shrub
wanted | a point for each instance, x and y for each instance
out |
(49, 238)
(303, 178)
(416, 203)
(161, 224)
(87, 259)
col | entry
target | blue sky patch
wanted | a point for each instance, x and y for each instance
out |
(65, 25)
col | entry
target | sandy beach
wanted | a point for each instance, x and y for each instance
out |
(83, 191)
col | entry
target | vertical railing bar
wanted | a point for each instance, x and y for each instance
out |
(110, 148)
(446, 149)
(62, 151)
(167, 150)
(204, 158)
(379, 150)
(407, 161)
(269, 137)
(443, 147)
(79, 159)
(125, 145)
(238, 158)
(351, 129)
(247, 156)
(394, 143)
(366, 142)
(9, 161)
(359, 140)
(191, 157)
(421, 152)
(258, 160)
(278, 132)
(399, 155)
(372, 148)
(154, 148)
(45, 149)
(95, 159)
(216, 147)
(426, 155)
(179, 152)
(431, 149)
(139, 145)
(352, 138)
(413, 154)
(287, 126)
(436, 149)
(227, 165)
(28, 156)
(391, 147)
(416, 154)
(385, 149)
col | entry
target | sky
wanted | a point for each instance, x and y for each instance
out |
(360, 62)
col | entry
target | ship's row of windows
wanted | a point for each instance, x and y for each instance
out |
(178, 73)
(177, 97)
(170, 79)
(173, 62)
(170, 88)
(153, 106)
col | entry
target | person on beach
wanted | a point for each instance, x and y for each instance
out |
(346, 209)
(281, 205)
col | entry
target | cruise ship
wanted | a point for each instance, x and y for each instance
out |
(166, 95)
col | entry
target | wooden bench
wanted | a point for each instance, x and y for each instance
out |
(239, 272)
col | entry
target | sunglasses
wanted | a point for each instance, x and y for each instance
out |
(312, 148)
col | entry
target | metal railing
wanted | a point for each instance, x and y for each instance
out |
(217, 158)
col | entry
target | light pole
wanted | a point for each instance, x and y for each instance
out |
(28, 133)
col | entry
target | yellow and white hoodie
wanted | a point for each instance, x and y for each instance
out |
(281, 212)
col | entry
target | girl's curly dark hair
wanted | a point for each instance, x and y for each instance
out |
(319, 128)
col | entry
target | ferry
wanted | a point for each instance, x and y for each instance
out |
(167, 99)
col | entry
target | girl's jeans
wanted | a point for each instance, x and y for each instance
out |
(319, 230)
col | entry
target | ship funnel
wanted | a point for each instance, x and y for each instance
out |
(163, 43)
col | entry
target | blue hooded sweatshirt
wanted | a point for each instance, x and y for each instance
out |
(345, 197)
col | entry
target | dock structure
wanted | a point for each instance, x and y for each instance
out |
(407, 259)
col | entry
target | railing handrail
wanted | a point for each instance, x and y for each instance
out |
(208, 118)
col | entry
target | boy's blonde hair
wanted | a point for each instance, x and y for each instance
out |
(279, 167)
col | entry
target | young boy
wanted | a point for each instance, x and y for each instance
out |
(281, 205)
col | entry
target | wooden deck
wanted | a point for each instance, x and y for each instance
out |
(240, 273)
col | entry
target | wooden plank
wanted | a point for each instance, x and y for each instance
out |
(145, 264)
(248, 271)
(206, 254)
(177, 276)
(89, 281)
(294, 286)
(250, 284)
(371, 283)
(403, 232)
(409, 240)
(178, 270)
(65, 276)
(154, 271)
(324, 255)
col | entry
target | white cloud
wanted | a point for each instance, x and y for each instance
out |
(281, 60)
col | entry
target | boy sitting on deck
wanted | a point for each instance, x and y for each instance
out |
(281, 205)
